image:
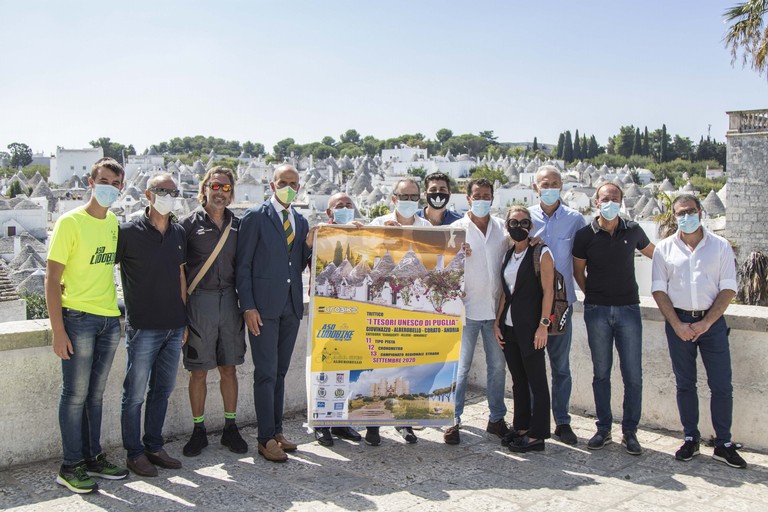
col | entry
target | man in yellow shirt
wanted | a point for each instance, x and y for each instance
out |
(82, 307)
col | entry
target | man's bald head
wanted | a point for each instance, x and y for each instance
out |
(340, 200)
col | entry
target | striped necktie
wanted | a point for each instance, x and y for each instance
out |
(288, 230)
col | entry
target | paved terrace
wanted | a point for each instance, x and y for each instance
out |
(476, 475)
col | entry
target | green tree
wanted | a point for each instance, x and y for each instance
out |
(535, 147)
(593, 149)
(560, 145)
(568, 147)
(637, 145)
(491, 175)
(350, 136)
(664, 145)
(21, 154)
(36, 308)
(378, 210)
(253, 148)
(624, 140)
(577, 147)
(14, 189)
(113, 149)
(748, 34)
(338, 254)
(328, 141)
(489, 136)
(442, 135)
(281, 149)
(646, 150)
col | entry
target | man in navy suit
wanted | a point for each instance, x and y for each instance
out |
(273, 247)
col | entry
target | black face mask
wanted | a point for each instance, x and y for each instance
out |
(518, 234)
(438, 200)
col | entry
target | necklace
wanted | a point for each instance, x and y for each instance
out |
(518, 258)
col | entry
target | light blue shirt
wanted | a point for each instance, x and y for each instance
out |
(558, 232)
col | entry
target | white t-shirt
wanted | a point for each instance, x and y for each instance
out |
(417, 221)
(510, 273)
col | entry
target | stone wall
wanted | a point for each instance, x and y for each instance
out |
(747, 173)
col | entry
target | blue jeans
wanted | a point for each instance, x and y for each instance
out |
(84, 376)
(716, 356)
(153, 359)
(559, 350)
(622, 324)
(494, 363)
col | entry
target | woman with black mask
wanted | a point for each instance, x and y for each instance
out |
(521, 330)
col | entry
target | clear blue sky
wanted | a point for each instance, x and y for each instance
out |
(142, 72)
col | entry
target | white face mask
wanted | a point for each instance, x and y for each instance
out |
(163, 204)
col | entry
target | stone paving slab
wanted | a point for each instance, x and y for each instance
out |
(477, 475)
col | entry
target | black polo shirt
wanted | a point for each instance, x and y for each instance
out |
(202, 236)
(149, 267)
(610, 262)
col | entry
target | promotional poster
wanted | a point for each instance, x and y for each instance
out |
(386, 316)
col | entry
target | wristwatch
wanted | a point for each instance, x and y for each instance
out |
(545, 322)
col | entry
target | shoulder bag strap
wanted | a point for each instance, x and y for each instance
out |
(211, 258)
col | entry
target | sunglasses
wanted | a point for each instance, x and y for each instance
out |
(408, 197)
(219, 186)
(525, 223)
(165, 191)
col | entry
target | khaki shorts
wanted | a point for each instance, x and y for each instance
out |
(216, 330)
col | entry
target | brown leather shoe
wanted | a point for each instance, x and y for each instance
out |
(141, 466)
(272, 451)
(163, 460)
(285, 444)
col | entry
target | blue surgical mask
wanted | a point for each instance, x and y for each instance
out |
(550, 196)
(688, 223)
(343, 215)
(481, 208)
(609, 210)
(105, 194)
(407, 208)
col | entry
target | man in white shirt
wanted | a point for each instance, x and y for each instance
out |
(486, 235)
(694, 280)
(405, 197)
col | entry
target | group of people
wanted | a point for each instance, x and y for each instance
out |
(194, 287)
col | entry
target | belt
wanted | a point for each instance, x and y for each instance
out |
(694, 314)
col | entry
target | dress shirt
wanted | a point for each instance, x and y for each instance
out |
(279, 209)
(557, 231)
(693, 279)
(417, 221)
(482, 270)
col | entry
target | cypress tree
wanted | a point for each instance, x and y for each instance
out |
(584, 146)
(592, 147)
(568, 147)
(637, 145)
(646, 150)
(535, 145)
(577, 147)
(664, 152)
(560, 145)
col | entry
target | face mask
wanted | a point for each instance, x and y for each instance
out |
(105, 194)
(343, 215)
(609, 210)
(481, 208)
(518, 234)
(688, 223)
(438, 200)
(550, 196)
(407, 208)
(163, 204)
(286, 195)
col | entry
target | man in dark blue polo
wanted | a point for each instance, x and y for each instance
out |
(437, 191)
(151, 251)
(274, 245)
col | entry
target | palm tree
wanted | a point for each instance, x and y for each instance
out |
(666, 220)
(748, 34)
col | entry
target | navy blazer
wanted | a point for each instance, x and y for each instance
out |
(266, 273)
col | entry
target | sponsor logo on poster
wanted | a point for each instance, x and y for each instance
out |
(339, 393)
(339, 378)
(321, 405)
(338, 406)
(321, 392)
(322, 377)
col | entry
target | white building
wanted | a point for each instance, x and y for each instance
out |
(150, 163)
(69, 162)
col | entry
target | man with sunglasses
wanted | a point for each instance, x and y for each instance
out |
(487, 236)
(694, 281)
(556, 225)
(216, 332)
(151, 251)
(405, 197)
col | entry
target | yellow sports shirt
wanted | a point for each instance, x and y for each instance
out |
(86, 247)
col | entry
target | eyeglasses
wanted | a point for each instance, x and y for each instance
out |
(525, 223)
(173, 192)
(408, 197)
(223, 186)
(689, 211)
